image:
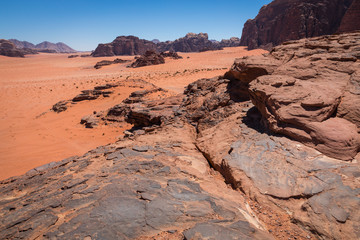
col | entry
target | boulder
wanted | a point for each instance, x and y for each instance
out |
(172, 55)
(149, 58)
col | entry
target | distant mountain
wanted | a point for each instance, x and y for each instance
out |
(44, 46)
(22, 44)
(156, 41)
(58, 47)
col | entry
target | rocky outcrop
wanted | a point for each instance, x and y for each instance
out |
(284, 20)
(302, 87)
(190, 43)
(124, 45)
(102, 63)
(149, 58)
(7, 48)
(350, 21)
(172, 55)
(98, 91)
(130, 45)
(127, 190)
(232, 42)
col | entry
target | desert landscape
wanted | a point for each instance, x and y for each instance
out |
(34, 135)
(255, 137)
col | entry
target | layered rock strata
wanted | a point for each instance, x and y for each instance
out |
(307, 90)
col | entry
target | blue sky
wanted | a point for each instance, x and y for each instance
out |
(82, 24)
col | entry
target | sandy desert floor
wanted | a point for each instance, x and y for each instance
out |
(32, 135)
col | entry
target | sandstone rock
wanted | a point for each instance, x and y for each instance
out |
(91, 94)
(232, 42)
(133, 197)
(9, 49)
(124, 45)
(172, 55)
(349, 105)
(337, 137)
(284, 20)
(89, 121)
(190, 43)
(149, 58)
(107, 62)
(303, 83)
(349, 22)
(60, 106)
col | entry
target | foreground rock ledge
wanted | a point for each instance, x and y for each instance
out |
(308, 90)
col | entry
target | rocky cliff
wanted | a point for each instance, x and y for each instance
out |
(130, 45)
(190, 43)
(284, 20)
(223, 160)
(351, 20)
(7, 48)
(124, 45)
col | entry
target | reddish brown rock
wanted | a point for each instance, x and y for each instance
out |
(170, 54)
(149, 58)
(102, 63)
(284, 20)
(9, 49)
(192, 42)
(337, 137)
(303, 84)
(124, 45)
(351, 20)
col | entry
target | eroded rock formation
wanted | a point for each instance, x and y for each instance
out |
(7, 48)
(284, 20)
(102, 63)
(301, 88)
(124, 45)
(190, 43)
(149, 58)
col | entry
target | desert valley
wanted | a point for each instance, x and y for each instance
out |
(251, 138)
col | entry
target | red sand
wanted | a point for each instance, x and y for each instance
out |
(31, 135)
